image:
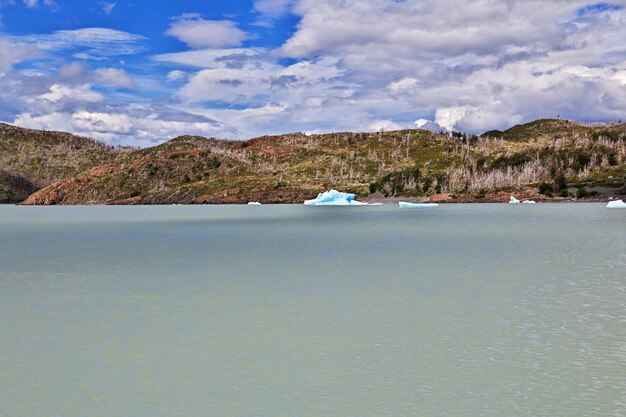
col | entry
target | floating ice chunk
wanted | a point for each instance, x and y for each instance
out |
(403, 204)
(513, 200)
(254, 203)
(616, 204)
(334, 198)
(356, 203)
(529, 202)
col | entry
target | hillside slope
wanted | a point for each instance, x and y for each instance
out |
(14, 188)
(42, 158)
(285, 168)
(545, 159)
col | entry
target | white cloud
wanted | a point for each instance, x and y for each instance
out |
(11, 54)
(95, 42)
(33, 3)
(228, 85)
(81, 93)
(272, 8)
(256, 82)
(50, 121)
(379, 125)
(176, 75)
(108, 7)
(449, 117)
(216, 58)
(78, 72)
(416, 28)
(73, 71)
(135, 125)
(401, 87)
(620, 76)
(478, 65)
(198, 33)
(113, 77)
(426, 124)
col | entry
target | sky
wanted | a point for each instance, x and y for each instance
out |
(139, 72)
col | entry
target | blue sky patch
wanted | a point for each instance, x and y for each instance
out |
(598, 8)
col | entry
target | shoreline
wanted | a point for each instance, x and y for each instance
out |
(377, 200)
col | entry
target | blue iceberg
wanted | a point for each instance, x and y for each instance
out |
(403, 204)
(514, 200)
(334, 198)
(616, 204)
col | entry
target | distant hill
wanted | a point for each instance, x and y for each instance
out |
(543, 128)
(42, 158)
(286, 168)
(545, 159)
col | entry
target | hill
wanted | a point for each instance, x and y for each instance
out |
(42, 158)
(545, 159)
(539, 129)
(286, 168)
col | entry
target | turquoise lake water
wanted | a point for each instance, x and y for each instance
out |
(238, 311)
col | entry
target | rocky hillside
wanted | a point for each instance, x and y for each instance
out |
(285, 168)
(545, 159)
(41, 158)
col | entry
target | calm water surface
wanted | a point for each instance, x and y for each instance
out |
(237, 311)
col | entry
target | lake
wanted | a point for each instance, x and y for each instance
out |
(243, 311)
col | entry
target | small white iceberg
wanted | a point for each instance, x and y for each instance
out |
(403, 204)
(529, 202)
(254, 203)
(617, 204)
(334, 198)
(514, 200)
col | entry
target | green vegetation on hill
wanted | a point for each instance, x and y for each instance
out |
(45, 157)
(554, 157)
(284, 168)
(539, 129)
(32, 159)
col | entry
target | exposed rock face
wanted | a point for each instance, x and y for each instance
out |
(59, 191)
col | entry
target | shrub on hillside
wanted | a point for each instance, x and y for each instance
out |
(546, 188)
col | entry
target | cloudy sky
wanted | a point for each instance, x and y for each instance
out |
(142, 71)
